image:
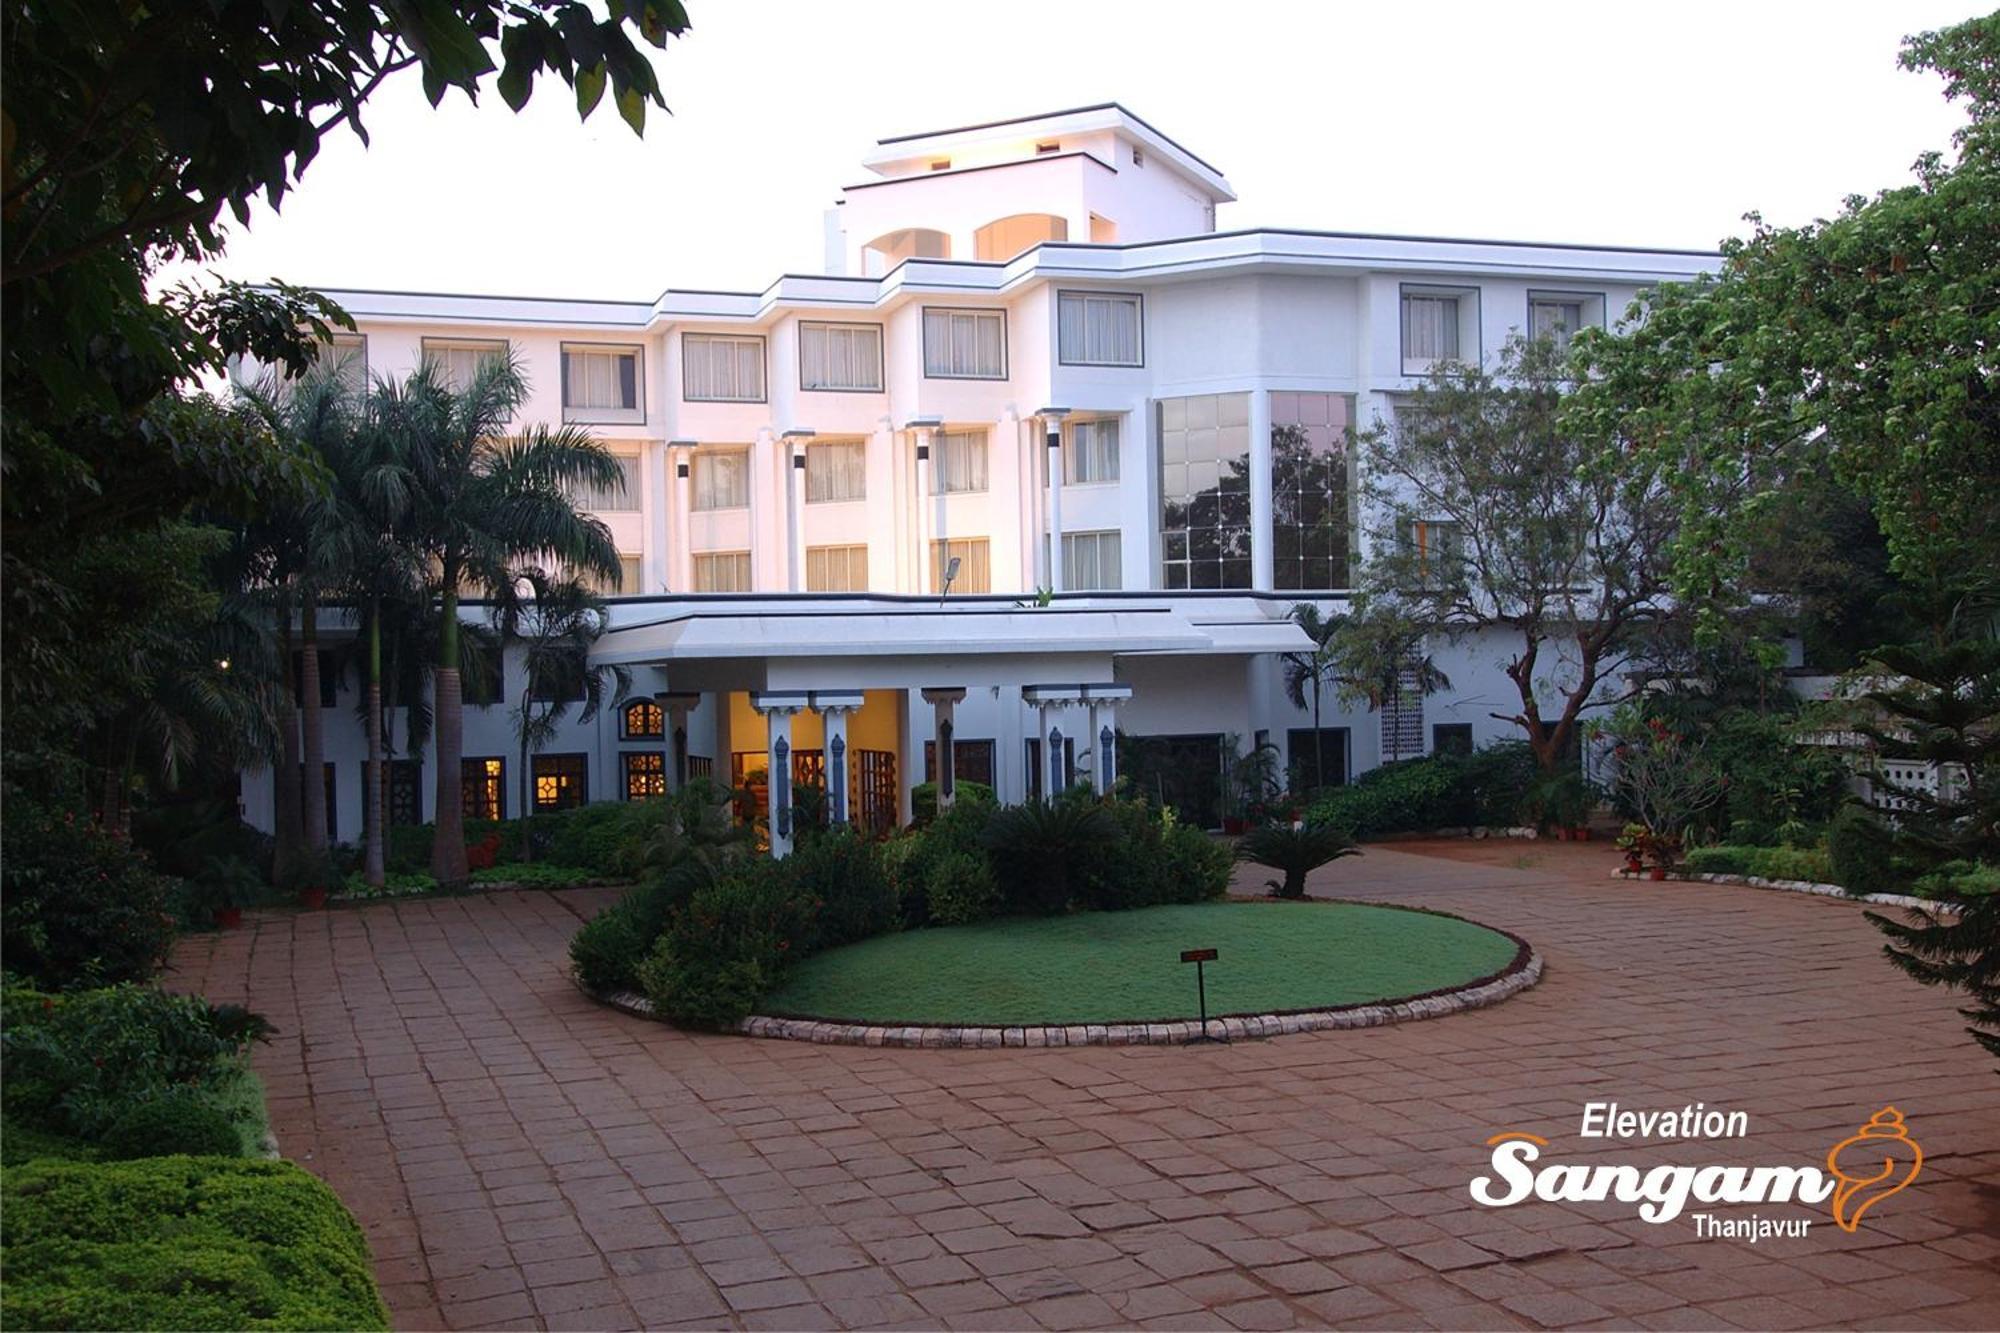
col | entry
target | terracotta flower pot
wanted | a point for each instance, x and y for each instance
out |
(1633, 865)
(228, 918)
(312, 899)
(1658, 872)
(1580, 834)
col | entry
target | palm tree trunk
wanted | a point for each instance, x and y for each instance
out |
(448, 865)
(373, 869)
(286, 827)
(312, 728)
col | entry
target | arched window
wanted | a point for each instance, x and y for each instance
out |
(893, 247)
(642, 718)
(1004, 238)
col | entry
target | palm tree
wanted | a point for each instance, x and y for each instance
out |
(555, 630)
(1373, 658)
(480, 504)
(1294, 852)
(1309, 674)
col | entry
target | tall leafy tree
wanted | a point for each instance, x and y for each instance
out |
(484, 506)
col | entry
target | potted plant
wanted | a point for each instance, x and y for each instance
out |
(1635, 842)
(225, 886)
(1665, 780)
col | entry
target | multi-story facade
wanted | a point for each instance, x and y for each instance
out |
(1033, 364)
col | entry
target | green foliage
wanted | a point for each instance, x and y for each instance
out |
(1294, 852)
(597, 837)
(1417, 795)
(533, 875)
(1155, 859)
(24, 1143)
(914, 857)
(176, 1121)
(1861, 852)
(78, 906)
(1959, 880)
(182, 1243)
(74, 1063)
(1811, 864)
(607, 952)
(721, 953)
(1042, 851)
(959, 889)
(923, 799)
(842, 872)
(395, 884)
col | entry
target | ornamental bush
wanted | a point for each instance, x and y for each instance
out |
(78, 905)
(1802, 863)
(923, 799)
(606, 953)
(1413, 796)
(959, 890)
(729, 945)
(841, 871)
(182, 1242)
(1154, 859)
(1859, 847)
(176, 1121)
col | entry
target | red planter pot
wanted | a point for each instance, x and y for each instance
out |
(228, 918)
(1633, 865)
(1580, 834)
(1233, 826)
(312, 899)
(1658, 872)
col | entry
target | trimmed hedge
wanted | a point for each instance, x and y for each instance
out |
(1862, 853)
(182, 1243)
(1442, 791)
(1806, 863)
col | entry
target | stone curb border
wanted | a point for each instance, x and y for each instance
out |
(1523, 972)
(1793, 886)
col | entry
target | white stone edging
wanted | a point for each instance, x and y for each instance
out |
(1813, 887)
(1518, 977)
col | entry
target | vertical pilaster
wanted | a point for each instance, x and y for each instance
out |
(1263, 543)
(680, 550)
(925, 429)
(943, 699)
(1052, 419)
(834, 708)
(778, 710)
(795, 509)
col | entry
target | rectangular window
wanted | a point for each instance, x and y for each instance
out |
(404, 803)
(1560, 315)
(1091, 561)
(1318, 758)
(722, 571)
(483, 787)
(836, 470)
(836, 569)
(620, 498)
(329, 680)
(1310, 518)
(459, 360)
(601, 384)
(971, 761)
(1205, 491)
(722, 480)
(975, 569)
(562, 781)
(645, 774)
(1435, 544)
(1430, 328)
(346, 356)
(483, 681)
(840, 357)
(1098, 329)
(965, 344)
(1090, 451)
(722, 368)
(628, 582)
(958, 461)
(560, 681)
(1451, 738)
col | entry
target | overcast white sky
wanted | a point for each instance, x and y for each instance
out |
(1598, 122)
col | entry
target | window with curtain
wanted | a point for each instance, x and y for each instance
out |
(975, 566)
(836, 569)
(722, 368)
(601, 383)
(1560, 315)
(965, 344)
(1091, 561)
(458, 361)
(958, 461)
(562, 781)
(840, 357)
(1430, 327)
(1437, 545)
(621, 498)
(722, 480)
(722, 571)
(1098, 329)
(1205, 491)
(836, 470)
(347, 354)
(1090, 451)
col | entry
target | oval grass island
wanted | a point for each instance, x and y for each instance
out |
(1116, 977)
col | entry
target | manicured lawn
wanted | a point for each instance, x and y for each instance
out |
(1106, 967)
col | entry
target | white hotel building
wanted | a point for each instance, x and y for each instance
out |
(1033, 362)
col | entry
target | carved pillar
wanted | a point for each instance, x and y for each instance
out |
(833, 706)
(942, 700)
(778, 710)
(674, 710)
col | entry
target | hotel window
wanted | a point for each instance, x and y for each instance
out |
(1435, 544)
(621, 497)
(971, 761)
(1098, 329)
(562, 781)
(458, 361)
(1205, 491)
(329, 680)
(483, 787)
(642, 718)
(722, 480)
(645, 774)
(1439, 324)
(559, 681)
(722, 571)
(1451, 738)
(627, 582)
(835, 471)
(1090, 451)
(958, 461)
(965, 344)
(1560, 315)
(975, 568)
(722, 368)
(836, 569)
(403, 802)
(840, 357)
(1091, 561)
(347, 355)
(1310, 519)
(600, 384)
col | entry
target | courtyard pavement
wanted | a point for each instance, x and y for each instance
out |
(521, 1157)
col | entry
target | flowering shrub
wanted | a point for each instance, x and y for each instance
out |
(723, 952)
(78, 905)
(482, 855)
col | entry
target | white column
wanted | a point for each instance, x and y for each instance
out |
(680, 557)
(795, 511)
(1263, 545)
(1104, 701)
(778, 709)
(674, 710)
(657, 476)
(1052, 419)
(942, 701)
(833, 708)
(1050, 700)
(926, 578)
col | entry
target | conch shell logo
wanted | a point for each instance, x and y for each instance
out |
(1872, 1164)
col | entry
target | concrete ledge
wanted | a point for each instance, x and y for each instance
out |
(1523, 972)
(1794, 886)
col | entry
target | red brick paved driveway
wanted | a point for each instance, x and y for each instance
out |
(522, 1157)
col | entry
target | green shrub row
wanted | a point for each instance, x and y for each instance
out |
(182, 1243)
(78, 905)
(1805, 863)
(1490, 786)
(589, 837)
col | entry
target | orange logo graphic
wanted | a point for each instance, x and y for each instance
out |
(1872, 1164)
